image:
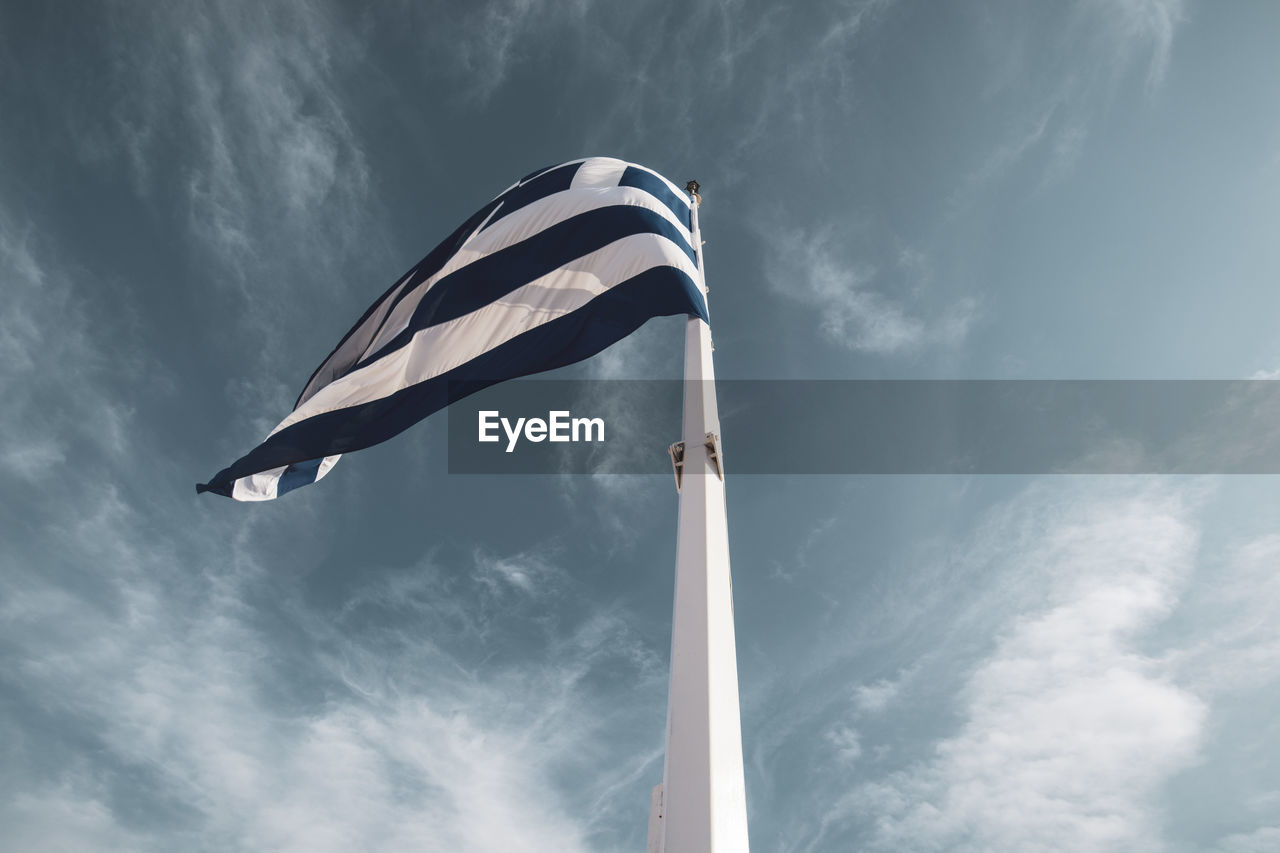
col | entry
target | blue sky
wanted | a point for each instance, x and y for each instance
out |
(198, 199)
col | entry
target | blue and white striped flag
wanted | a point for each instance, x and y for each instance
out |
(559, 266)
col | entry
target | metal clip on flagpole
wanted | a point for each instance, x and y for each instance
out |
(701, 805)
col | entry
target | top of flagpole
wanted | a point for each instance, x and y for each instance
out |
(693, 188)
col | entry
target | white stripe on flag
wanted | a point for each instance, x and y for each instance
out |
(461, 345)
(521, 225)
(440, 348)
(599, 172)
(263, 486)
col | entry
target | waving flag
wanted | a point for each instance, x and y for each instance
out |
(559, 266)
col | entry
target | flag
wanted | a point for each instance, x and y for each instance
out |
(562, 264)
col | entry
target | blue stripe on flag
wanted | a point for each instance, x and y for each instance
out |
(534, 186)
(606, 319)
(536, 172)
(297, 475)
(540, 186)
(424, 269)
(656, 187)
(494, 276)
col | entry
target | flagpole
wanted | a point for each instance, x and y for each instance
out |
(701, 805)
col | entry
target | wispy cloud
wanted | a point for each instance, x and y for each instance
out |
(372, 735)
(1260, 840)
(57, 383)
(492, 40)
(70, 816)
(1053, 97)
(846, 743)
(267, 146)
(854, 310)
(163, 680)
(237, 114)
(1005, 156)
(527, 574)
(1131, 28)
(802, 94)
(874, 698)
(1236, 647)
(830, 60)
(1069, 730)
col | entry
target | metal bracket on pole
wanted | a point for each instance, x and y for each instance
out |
(713, 453)
(676, 452)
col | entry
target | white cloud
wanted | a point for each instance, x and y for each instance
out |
(829, 60)
(847, 744)
(55, 373)
(1262, 840)
(237, 122)
(66, 818)
(873, 698)
(853, 312)
(175, 672)
(530, 574)
(267, 147)
(494, 33)
(1133, 27)
(1069, 731)
(1008, 153)
(1236, 647)
(161, 640)
(237, 112)
(1054, 94)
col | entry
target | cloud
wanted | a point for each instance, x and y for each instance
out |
(529, 574)
(800, 562)
(232, 118)
(492, 39)
(847, 744)
(829, 61)
(873, 698)
(1003, 158)
(853, 312)
(1051, 97)
(1068, 729)
(1133, 27)
(238, 128)
(68, 817)
(1062, 673)
(167, 680)
(372, 733)
(1262, 840)
(56, 376)
(805, 96)
(1236, 648)
(267, 148)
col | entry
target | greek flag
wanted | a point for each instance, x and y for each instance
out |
(559, 266)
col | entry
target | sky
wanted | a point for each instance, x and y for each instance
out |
(198, 199)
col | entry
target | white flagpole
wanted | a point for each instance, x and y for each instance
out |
(701, 806)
